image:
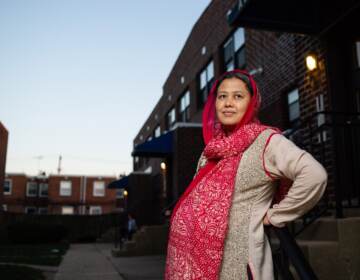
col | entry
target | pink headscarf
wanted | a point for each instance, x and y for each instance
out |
(210, 122)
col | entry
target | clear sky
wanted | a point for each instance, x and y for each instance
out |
(78, 78)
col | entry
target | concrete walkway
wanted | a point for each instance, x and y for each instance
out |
(94, 261)
(86, 261)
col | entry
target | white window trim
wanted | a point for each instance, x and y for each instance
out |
(40, 189)
(94, 190)
(27, 189)
(63, 207)
(93, 209)
(10, 187)
(60, 190)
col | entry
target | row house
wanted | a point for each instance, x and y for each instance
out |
(58, 194)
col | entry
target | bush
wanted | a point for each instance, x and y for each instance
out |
(30, 233)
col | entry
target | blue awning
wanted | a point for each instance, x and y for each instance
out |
(119, 184)
(161, 146)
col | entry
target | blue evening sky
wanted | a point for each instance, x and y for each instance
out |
(78, 78)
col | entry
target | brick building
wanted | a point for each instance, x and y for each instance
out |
(58, 194)
(3, 150)
(317, 108)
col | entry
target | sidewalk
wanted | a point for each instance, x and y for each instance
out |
(136, 268)
(94, 261)
(85, 261)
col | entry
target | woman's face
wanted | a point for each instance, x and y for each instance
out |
(232, 100)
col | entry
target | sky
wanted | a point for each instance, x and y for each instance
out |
(78, 78)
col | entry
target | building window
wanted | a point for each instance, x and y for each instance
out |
(171, 118)
(67, 210)
(43, 189)
(7, 187)
(31, 189)
(206, 80)
(5, 208)
(120, 193)
(320, 117)
(30, 210)
(234, 50)
(157, 131)
(42, 210)
(65, 188)
(99, 188)
(357, 45)
(95, 210)
(294, 106)
(185, 107)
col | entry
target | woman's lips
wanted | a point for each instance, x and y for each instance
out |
(228, 114)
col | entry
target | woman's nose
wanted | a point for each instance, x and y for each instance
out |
(228, 102)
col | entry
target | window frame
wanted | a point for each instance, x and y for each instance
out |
(94, 189)
(184, 112)
(28, 188)
(41, 189)
(10, 186)
(61, 193)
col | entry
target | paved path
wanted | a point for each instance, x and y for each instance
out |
(94, 261)
(86, 262)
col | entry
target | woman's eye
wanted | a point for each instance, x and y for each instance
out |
(221, 96)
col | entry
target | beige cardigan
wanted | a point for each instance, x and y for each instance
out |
(246, 244)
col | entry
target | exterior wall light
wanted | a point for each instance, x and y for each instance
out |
(163, 165)
(311, 62)
(125, 193)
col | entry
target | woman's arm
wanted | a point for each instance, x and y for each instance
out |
(282, 158)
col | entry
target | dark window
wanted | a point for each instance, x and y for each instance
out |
(206, 80)
(234, 51)
(185, 107)
(7, 186)
(171, 118)
(293, 106)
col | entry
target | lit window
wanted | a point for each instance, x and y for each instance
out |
(95, 210)
(5, 208)
(185, 107)
(67, 210)
(7, 187)
(206, 80)
(294, 106)
(120, 193)
(99, 188)
(43, 189)
(65, 188)
(234, 50)
(31, 189)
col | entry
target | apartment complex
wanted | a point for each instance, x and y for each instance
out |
(58, 194)
(308, 73)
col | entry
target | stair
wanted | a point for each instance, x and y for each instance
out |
(149, 240)
(332, 246)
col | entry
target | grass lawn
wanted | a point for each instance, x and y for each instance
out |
(17, 272)
(38, 254)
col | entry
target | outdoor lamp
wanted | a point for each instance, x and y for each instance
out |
(125, 193)
(163, 165)
(311, 62)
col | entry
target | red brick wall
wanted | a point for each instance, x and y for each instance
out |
(3, 150)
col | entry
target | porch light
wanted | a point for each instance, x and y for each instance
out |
(311, 62)
(125, 193)
(163, 165)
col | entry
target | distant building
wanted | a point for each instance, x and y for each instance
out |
(58, 194)
(3, 150)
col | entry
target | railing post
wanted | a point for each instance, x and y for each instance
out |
(294, 253)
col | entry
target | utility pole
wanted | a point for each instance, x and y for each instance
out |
(59, 165)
